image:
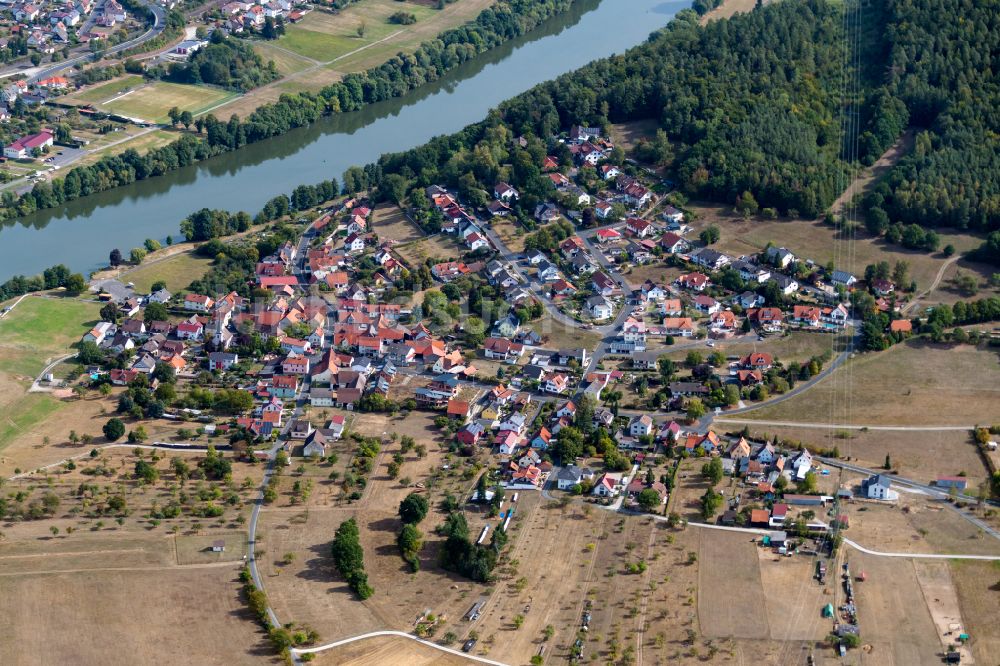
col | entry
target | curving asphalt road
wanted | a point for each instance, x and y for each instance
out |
(159, 24)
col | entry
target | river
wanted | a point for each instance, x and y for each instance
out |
(82, 233)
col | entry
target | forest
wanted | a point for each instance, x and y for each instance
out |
(748, 104)
(942, 66)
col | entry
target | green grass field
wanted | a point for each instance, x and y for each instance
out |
(323, 37)
(24, 413)
(106, 91)
(42, 328)
(286, 62)
(177, 271)
(152, 102)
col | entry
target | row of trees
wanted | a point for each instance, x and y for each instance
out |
(348, 557)
(51, 278)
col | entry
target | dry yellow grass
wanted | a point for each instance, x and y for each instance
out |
(910, 384)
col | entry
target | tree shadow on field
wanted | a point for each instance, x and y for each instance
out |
(384, 525)
(319, 567)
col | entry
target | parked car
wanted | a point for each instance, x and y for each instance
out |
(468, 645)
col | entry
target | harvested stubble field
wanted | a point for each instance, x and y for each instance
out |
(123, 617)
(731, 610)
(913, 383)
(916, 525)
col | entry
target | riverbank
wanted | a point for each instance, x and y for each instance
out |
(393, 79)
(80, 234)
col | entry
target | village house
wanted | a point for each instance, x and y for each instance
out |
(779, 256)
(694, 281)
(598, 307)
(710, 259)
(222, 361)
(879, 487)
(28, 145)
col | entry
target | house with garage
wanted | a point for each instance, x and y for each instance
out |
(683, 327)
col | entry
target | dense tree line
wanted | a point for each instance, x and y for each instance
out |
(942, 66)
(396, 77)
(348, 556)
(51, 278)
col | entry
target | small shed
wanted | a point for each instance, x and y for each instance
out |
(219, 546)
(778, 538)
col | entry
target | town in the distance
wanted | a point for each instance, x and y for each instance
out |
(687, 356)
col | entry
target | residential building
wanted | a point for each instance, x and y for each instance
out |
(879, 487)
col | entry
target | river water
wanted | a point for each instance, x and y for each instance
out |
(82, 233)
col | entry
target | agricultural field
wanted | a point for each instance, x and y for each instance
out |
(146, 615)
(913, 383)
(151, 102)
(979, 603)
(891, 586)
(795, 346)
(729, 610)
(388, 650)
